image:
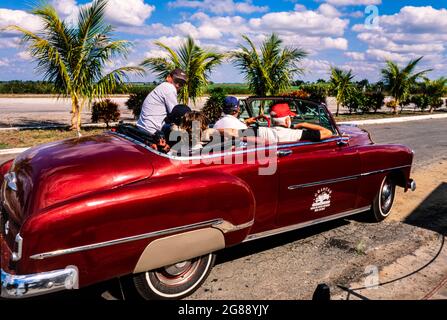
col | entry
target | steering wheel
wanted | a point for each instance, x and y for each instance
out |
(256, 124)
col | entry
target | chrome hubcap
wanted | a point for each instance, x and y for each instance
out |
(178, 268)
(386, 197)
(178, 273)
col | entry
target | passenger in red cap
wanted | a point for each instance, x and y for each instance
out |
(283, 131)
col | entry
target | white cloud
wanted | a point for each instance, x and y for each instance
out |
(205, 31)
(129, 12)
(417, 20)
(410, 33)
(19, 17)
(359, 56)
(24, 55)
(354, 2)
(4, 62)
(328, 10)
(219, 7)
(335, 43)
(299, 7)
(173, 42)
(65, 7)
(118, 12)
(316, 67)
(383, 55)
(10, 42)
(307, 22)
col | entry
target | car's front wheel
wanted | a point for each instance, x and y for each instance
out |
(175, 281)
(383, 202)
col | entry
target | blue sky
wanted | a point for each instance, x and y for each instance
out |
(333, 32)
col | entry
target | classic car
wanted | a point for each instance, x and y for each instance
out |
(82, 211)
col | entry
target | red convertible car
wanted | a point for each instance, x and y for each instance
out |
(82, 211)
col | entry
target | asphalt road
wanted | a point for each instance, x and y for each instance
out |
(428, 138)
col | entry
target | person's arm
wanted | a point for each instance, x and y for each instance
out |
(171, 100)
(324, 133)
(253, 120)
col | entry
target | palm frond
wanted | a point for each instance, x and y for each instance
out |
(271, 71)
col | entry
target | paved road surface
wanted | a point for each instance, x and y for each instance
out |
(428, 138)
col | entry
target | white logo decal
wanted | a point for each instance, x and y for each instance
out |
(322, 200)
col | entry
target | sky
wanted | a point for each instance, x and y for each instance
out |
(357, 35)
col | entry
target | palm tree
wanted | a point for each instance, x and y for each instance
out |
(399, 82)
(74, 57)
(341, 83)
(195, 61)
(271, 71)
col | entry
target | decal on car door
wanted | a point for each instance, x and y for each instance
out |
(322, 200)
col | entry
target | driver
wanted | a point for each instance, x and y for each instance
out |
(283, 131)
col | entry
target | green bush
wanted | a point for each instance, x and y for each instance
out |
(135, 102)
(421, 101)
(213, 106)
(374, 100)
(356, 101)
(317, 92)
(105, 110)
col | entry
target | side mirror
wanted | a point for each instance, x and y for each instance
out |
(343, 141)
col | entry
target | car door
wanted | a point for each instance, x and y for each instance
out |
(319, 179)
(316, 180)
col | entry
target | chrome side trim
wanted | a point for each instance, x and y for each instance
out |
(336, 180)
(330, 181)
(304, 224)
(226, 226)
(61, 252)
(384, 170)
(220, 224)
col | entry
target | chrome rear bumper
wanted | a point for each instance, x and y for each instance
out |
(23, 286)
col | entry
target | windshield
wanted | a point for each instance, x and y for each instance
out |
(307, 111)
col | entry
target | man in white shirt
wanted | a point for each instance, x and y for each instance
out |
(282, 131)
(160, 102)
(229, 120)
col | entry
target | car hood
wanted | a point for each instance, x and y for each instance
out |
(57, 172)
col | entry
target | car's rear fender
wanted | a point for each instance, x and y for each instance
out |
(157, 207)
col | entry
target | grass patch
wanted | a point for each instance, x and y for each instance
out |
(29, 138)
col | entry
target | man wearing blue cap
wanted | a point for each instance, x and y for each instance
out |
(229, 120)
